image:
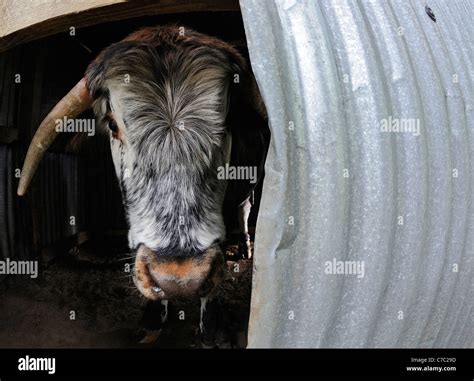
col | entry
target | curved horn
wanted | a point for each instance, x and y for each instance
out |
(73, 104)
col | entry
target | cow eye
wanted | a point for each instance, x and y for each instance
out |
(113, 125)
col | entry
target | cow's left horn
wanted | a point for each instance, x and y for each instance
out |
(73, 104)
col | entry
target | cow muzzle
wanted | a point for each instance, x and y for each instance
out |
(178, 278)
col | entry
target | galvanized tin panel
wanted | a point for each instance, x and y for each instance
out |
(59, 197)
(341, 187)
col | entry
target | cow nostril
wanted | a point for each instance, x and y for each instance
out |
(143, 278)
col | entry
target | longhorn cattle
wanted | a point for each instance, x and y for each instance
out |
(178, 106)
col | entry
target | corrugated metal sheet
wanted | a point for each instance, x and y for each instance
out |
(59, 201)
(59, 193)
(15, 240)
(7, 226)
(340, 187)
(81, 188)
(67, 186)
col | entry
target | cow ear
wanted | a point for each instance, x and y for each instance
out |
(95, 77)
(243, 87)
(247, 121)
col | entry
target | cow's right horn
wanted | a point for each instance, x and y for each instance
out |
(73, 104)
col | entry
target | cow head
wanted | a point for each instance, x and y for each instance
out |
(162, 97)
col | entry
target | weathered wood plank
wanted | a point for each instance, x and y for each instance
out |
(25, 21)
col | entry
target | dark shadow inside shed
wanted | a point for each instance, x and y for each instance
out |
(72, 219)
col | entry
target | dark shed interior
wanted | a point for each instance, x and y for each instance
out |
(72, 220)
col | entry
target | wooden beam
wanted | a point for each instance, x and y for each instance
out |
(23, 21)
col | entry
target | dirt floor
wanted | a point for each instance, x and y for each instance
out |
(108, 309)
